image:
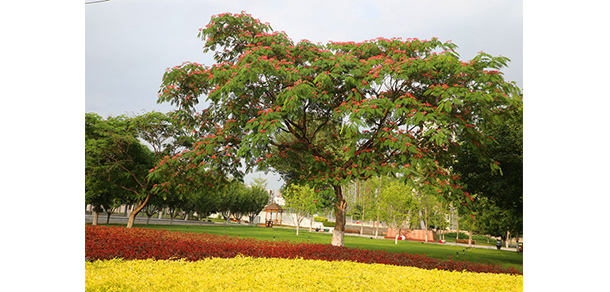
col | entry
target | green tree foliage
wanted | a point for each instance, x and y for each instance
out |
(239, 200)
(503, 190)
(302, 200)
(229, 199)
(155, 205)
(257, 199)
(118, 154)
(206, 203)
(162, 133)
(397, 205)
(331, 113)
(115, 159)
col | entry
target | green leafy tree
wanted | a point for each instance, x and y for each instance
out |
(155, 205)
(371, 199)
(103, 196)
(331, 113)
(397, 204)
(114, 155)
(302, 200)
(206, 203)
(502, 189)
(228, 198)
(164, 134)
(98, 190)
(257, 199)
(438, 215)
(173, 203)
(123, 142)
(240, 200)
(259, 182)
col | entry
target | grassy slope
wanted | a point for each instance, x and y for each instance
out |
(440, 251)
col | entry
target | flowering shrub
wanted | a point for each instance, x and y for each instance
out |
(104, 243)
(273, 274)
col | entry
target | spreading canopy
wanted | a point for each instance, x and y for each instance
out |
(331, 113)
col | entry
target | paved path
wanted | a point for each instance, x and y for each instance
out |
(122, 219)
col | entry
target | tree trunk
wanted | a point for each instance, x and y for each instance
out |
(298, 223)
(378, 208)
(377, 227)
(426, 221)
(132, 216)
(507, 237)
(340, 205)
(95, 216)
(311, 223)
(362, 223)
(397, 235)
(96, 213)
(108, 218)
(361, 197)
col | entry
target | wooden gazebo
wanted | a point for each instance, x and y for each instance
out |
(269, 211)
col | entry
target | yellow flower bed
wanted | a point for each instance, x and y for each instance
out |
(274, 274)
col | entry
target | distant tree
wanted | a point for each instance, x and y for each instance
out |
(351, 110)
(260, 182)
(496, 221)
(302, 200)
(154, 206)
(206, 203)
(397, 205)
(469, 223)
(110, 207)
(239, 194)
(173, 203)
(162, 133)
(102, 196)
(439, 212)
(257, 199)
(228, 198)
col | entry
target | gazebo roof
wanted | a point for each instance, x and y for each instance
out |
(273, 207)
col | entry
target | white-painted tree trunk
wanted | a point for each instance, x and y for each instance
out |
(338, 238)
(311, 223)
(95, 217)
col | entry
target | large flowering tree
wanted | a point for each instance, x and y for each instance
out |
(331, 113)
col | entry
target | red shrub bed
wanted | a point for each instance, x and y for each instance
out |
(103, 242)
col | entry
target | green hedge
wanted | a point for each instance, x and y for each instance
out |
(328, 223)
(320, 219)
(478, 237)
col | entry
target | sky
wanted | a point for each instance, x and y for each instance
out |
(129, 44)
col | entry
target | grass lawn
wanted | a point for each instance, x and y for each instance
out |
(440, 251)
